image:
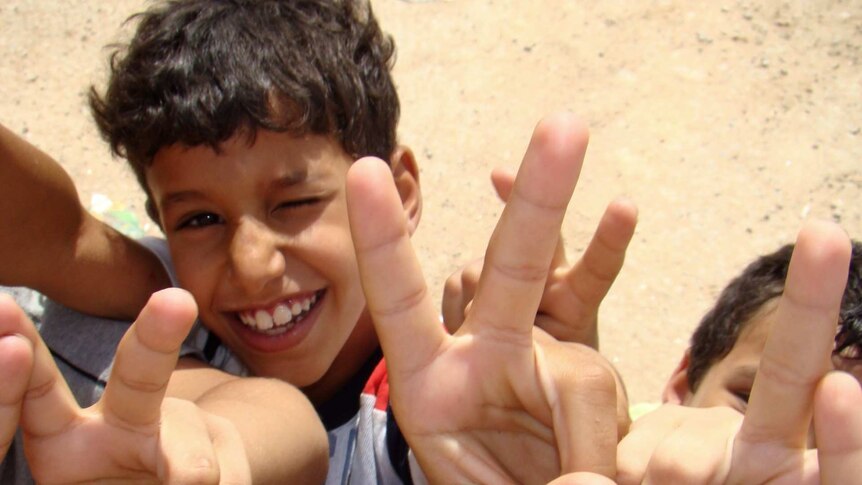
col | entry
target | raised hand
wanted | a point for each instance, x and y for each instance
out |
(134, 433)
(569, 307)
(768, 443)
(500, 401)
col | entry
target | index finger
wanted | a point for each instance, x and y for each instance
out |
(395, 289)
(522, 246)
(797, 352)
(146, 357)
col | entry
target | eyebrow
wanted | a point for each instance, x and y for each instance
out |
(285, 182)
(292, 179)
(179, 197)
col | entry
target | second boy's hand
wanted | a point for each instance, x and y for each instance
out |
(500, 401)
(768, 444)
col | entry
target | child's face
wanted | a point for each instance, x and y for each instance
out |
(259, 235)
(728, 382)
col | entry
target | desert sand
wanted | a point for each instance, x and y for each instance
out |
(728, 122)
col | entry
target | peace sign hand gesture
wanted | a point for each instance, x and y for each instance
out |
(768, 444)
(499, 401)
(133, 434)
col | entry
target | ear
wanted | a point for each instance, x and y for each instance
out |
(405, 171)
(676, 390)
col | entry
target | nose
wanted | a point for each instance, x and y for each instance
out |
(255, 258)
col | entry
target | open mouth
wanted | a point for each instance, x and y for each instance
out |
(281, 317)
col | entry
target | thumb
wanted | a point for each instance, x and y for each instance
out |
(146, 358)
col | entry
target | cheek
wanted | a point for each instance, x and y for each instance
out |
(194, 276)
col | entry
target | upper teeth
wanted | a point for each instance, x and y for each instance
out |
(281, 315)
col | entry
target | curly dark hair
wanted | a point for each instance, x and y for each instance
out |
(198, 71)
(745, 295)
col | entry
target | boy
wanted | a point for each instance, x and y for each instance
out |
(795, 389)
(61, 250)
(244, 163)
(719, 367)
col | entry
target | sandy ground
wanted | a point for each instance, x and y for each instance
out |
(728, 122)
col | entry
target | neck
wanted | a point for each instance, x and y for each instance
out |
(360, 345)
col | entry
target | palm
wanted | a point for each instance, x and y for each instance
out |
(479, 402)
(475, 405)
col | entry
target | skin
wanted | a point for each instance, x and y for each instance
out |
(573, 293)
(133, 434)
(729, 381)
(544, 410)
(510, 397)
(116, 278)
(265, 222)
(51, 240)
(768, 443)
(569, 307)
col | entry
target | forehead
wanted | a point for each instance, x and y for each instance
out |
(244, 159)
(748, 348)
(752, 337)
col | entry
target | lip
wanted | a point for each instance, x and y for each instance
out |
(281, 342)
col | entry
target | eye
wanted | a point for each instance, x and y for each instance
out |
(742, 395)
(200, 220)
(297, 204)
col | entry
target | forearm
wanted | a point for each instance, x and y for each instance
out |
(49, 242)
(284, 438)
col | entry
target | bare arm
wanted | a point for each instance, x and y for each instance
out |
(273, 418)
(49, 242)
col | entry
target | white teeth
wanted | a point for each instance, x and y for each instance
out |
(282, 314)
(264, 320)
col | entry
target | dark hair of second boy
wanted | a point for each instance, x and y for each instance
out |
(760, 282)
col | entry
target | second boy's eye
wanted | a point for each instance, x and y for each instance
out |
(200, 220)
(742, 395)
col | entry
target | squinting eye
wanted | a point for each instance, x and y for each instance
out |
(742, 395)
(296, 204)
(197, 221)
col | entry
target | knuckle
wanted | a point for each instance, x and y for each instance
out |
(408, 300)
(143, 386)
(526, 272)
(198, 470)
(593, 375)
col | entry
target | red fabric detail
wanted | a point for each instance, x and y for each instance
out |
(378, 386)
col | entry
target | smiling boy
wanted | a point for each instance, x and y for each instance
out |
(241, 120)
